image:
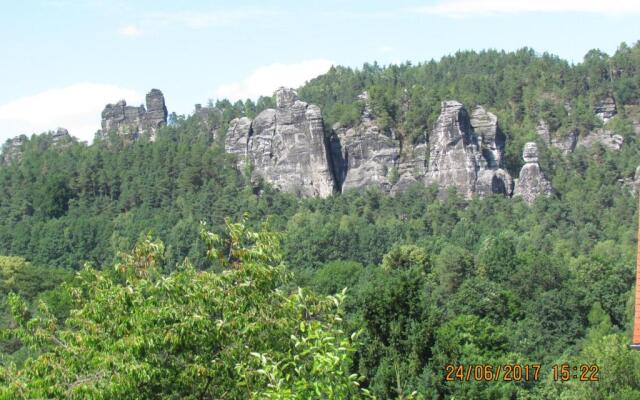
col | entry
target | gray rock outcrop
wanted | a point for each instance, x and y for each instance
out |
(454, 151)
(531, 183)
(604, 137)
(237, 137)
(156, 115)
(566, 142)
(286, 146)
(492, 139)
(363, 155)
(636, 182)
(131, 122)
(569, 141)
(542, 129)
(632, 184)
(456, 156)
(12, 150)
(61, 138)
(366, 157)
(605, 109)
(462, 152)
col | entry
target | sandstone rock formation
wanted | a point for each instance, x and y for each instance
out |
(542, 129)
(363, 155)
(531, 183)
(61, 138)
(632, 184)
(566, 142)
(238, 137)
(492, 139)
(366, 157)
(636, 182)
(462, 152)
(460, 158)
(285, 146)
(454, 151)
(604, 137)
(131, 122)
(12, 150)
(605, 109)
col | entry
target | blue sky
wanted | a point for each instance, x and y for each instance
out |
(63, 60)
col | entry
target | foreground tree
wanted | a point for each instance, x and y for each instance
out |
(136, 333)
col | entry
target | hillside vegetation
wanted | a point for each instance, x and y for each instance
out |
(430, 280)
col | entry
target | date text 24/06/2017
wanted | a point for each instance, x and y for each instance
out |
(520, 372)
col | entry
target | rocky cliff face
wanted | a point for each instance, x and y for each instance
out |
(605, 109)
(12, 150)
(492, 139)
(461, 157)
(131, 122)
(532, 183)
(286, 146)
(604, 137)
(237, 139)
(61, 138)
(454, 151)
(364, 156)
(462, 152)
(566, 142)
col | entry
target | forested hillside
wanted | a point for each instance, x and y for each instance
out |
(431, 280)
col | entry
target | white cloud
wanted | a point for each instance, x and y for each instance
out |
(385, 49)
(129, 31)
(470, 8)
(76, 107)
(265, 80)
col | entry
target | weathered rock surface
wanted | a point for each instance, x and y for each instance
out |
(605, 109)
(156, 115)
(565, 142)
(237, 137)
(632, 183)
(568, 142)
(61, 138)
(365, 157)
(454, 151)
(12, 150)
(604, 137)
(542, 129)
(493, 182)
(455, 156)
(412, 168)
(131, 122)
(492, 139)
(462, 152)
(531, 183)
(636, 182)
(286, 146)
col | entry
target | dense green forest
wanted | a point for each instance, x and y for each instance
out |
(429, 281)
